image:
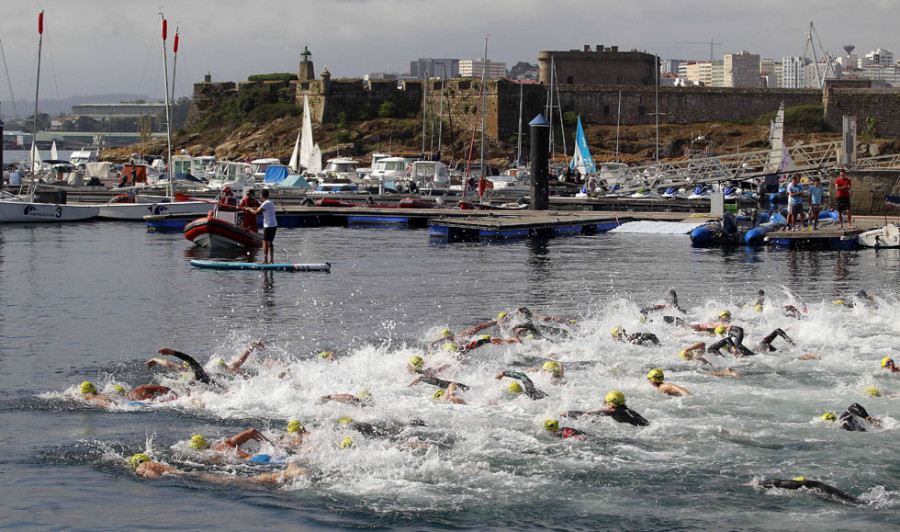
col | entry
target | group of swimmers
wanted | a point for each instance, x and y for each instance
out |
(519, 326)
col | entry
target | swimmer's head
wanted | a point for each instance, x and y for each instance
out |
(344, 420)
(524, 311)
(615, 398)
(347, 443)
(199, 442)
(758, 308)
(295, 426)
(501, 316)
(618, 332)
(323, 354)
(221, 363)
(446, 333)
(838, 301)
(364, 396)
(551, 425)
(829, 416)
(871, 391)
(887, 362)
(87, 387)
(185, 364)
(416, 362)
(721, 329)
(485, 336)
(800, 479)
(438, 394)
(656, 375)
(138, 459)
(119, 389)
(725, 315)
(684, 354)
(552, 366)
(515, 387)
(450, 346)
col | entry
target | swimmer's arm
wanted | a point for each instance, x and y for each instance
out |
(162, 363)
(577, 413)
(236, 365)
(198, 370)
(476, 328)
(673, 389)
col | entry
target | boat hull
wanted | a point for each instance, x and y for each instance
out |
(29, 212)
(284, 267)
(884, 237)
(137, 211)
(213, 233)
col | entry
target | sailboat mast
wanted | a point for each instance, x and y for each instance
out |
(618, 121)
(441, 111)
(424, 107)
(483, 110)
(35, 168)
(168, 116)
(550, 104)
(519, 140)
(174, 60)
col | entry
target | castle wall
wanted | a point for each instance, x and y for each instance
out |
(877, 111)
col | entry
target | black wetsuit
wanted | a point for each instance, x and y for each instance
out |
(475, 344)
(441, 383)
(767, 341)
(530, 390)
(642, 337)
(793, 312)
(369, 429)
(813, 485)
(734, 340)
(569, 432)
(622, 414)
(673, 303)
(854, 418)
(199, 373)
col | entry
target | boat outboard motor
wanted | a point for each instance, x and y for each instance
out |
(729, 224)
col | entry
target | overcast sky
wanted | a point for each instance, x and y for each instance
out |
(113, 46)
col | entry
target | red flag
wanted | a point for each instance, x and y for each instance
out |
(41, 23)
(164, 29)
(175, 49)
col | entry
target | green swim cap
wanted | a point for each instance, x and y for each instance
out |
(199, 442)
(295, 426)
(656, 375)
(119, 389)
(138, 459)
(87, 387)
(515, 387)
(347, 443)
(871, 391)
(438, 394)
(551, 425)
(829, 416)
(615, 398)
(417, 362)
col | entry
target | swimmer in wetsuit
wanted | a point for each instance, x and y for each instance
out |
(854, 419)
(766, 342)
(416, 366)
(671, 303)
(616, 409)
(440, 383)
(199, 373)
(620, 335)
(554, 368)
(552, 426)
(888, 364)
(449, 394)
(813, 485)
(529, 388)
(656, 378)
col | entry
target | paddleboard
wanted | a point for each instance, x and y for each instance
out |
(281, 267)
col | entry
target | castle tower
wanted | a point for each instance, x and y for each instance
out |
(326, 79)
(305, 72)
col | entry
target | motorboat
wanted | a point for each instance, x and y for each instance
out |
(391, 172)
(220, 230)
(258, 167)
(134, 206)
(882, 237)
(12, 211)
(235, 174)
(430, 176)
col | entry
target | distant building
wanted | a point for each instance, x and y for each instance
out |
(793, 72)
(885, 76)
(741, 70)
(717, 74)
(771, 71)
(104, 111)
(601, 66)
(473, 68)
(879, 57)
(699, 73)
(670, 66)
(436, 68)
(668, 79)
(817, 73)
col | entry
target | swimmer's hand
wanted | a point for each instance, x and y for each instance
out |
(166, 351)
(499, 376)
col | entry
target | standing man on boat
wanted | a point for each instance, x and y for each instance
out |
(270, 225)
(249, 201)
(842, 188)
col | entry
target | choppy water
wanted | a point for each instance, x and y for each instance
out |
(94, 301)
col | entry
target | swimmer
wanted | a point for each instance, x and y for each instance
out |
(145, 467)
(758, 302)
(793, 312)
(734, 338)
(552, 426)
(813, 485)
(440, 383)
(766, 343)
(727, 372)
(234, 367)
(671, 303)
(656, 378)
(888, 364)
(448, 395)
(616, 409)
(446, 336)
(528, 389)
(327, 356)
(362, 399)
(295, 435)
(416, 365)
(693, 353)
(143, 392)
(619, 334)
(89, 393)
(200, 374)
(853, 419)
(488, 339)
(554, 368)
(229, 446)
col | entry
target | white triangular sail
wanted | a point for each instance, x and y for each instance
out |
(294, 165)
(53, 153)
(315, 160)
(36, 161)
(306, 139)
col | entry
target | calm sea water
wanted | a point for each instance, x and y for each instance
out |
(93, 301)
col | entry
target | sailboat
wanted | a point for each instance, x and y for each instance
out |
(25, 209)
(310, 154)
(582, 162)
(134, 206)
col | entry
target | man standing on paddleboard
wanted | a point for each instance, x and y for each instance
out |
(270, 225)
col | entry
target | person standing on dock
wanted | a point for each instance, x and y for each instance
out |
(815, 202)
(795, 203)
(842, 186)
(270, 225)
(249, 201)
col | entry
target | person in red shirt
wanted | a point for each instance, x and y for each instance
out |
(249, 200)
(842, 186)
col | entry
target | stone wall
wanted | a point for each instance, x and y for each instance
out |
(868, 189)
(877, 111)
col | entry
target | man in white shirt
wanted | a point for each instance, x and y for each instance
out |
(270, 225)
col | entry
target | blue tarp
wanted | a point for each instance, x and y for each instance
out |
(294, 181)
(275, 174)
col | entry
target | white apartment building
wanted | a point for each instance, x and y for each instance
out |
(741, 70)
(793, 72)
(472, 68)
(878, 57)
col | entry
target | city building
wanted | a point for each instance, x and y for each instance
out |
(670, 66)
(741, 70)
(435, 68)
(473, 68)
(878, 57)
(793, 72)
(105, 111)
(604, 65)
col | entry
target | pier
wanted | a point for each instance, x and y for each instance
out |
(830, 238)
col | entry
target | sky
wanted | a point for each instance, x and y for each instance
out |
(114, 46)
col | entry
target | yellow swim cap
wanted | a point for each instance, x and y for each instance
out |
(800, 479)
(551, 425)
(725, 315)
(656, 375)
(119, 389)
(886, 361)
(838, 301)
(684, 354)
(871, 391)
(829, 416)
(324, 354)
(501, 316)
(221, 363)
(87, 387)
(344, 420)
(721, 329)
(552, 366)
(758, 308)
(295, 426)
(347, 443)
(185, 364)
(438, 394)
(417, 362)
(199, 442)
(514, 387)
(618, 332)
(138, 459)
(446, 333)
(364, 395)
(615, 398)
(485, 336)
(450, 346)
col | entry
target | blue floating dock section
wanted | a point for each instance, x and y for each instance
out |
(378, 220)
(504, 227)
(832, 239)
